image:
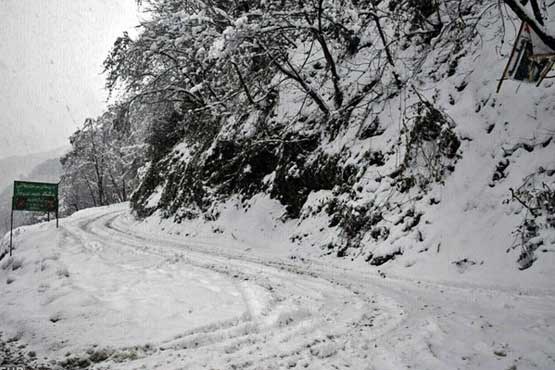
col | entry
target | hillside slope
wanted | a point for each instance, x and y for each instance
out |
(421, 175)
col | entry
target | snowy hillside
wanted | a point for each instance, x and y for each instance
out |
(412, 160)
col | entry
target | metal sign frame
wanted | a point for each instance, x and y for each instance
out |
(34, 197)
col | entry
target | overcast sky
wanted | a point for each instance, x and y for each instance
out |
(51, 54)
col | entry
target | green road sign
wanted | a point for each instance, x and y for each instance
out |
(34, 189)
(36, 197)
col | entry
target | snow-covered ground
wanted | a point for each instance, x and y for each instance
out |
(106, 291)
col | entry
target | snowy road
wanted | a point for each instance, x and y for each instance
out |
(101, 293)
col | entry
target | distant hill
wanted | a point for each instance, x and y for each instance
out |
(20, 167)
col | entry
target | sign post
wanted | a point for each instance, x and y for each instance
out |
(11, 232)
(35, 197)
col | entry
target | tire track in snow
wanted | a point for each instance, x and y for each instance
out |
(302, 318)
(321, 316)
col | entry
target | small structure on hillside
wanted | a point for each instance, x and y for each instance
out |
(530, 60)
